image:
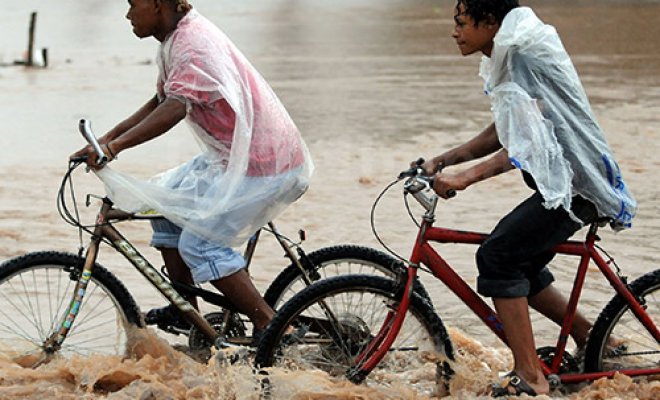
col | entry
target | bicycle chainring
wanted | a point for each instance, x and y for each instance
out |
(352, 335)
(230, 327)
(568, 364)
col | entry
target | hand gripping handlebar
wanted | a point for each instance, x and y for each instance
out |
(85, 128)
(418, 180)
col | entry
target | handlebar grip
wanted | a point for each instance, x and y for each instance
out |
(85, 128)
(451, 193)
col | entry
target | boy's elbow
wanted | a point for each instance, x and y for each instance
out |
(180, 110)
(174, 109)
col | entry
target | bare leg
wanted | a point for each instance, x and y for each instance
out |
(514, 314)
(178, 270)
(551, 303)
(240, 290)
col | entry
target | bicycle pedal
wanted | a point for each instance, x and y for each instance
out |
(173, 330)
(168, 320)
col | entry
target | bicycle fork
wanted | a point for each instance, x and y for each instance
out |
(63, 327)
(381, 343)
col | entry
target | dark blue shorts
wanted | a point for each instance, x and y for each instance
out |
(513, 260)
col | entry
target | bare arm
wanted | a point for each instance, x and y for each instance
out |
(120, 129)
(494, 165)
(481, 145)
(149, 122)
(131, 121)
(160, 120)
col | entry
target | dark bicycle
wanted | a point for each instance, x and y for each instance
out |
(63, 303)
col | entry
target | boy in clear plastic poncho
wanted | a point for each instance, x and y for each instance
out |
(252, 165)
(544, 126)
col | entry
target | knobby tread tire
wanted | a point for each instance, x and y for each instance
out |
(420, 307)
(100, 275)
(335, 253)
(609, 317)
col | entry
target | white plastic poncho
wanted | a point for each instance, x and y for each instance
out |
(544, 120)
(253, 162)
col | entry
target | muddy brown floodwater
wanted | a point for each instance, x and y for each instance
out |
(372, 84)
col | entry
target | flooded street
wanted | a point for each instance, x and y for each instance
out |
(371, 84)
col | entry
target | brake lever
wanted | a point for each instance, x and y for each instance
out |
(413, 171)
(88, 199)
(416, 171)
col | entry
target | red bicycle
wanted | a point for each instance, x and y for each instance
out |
(355, 323)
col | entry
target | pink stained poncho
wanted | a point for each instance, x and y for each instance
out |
(253, 162)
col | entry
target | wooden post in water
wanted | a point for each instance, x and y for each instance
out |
(44, 56)
(33, 21)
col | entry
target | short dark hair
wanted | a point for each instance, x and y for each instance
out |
(479, 10)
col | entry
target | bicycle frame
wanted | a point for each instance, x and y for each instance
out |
(105, 230)
(424, 254)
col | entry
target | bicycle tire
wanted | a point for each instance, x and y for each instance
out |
(333, 261)
(35, 292)
(422, 332)
(617, 321)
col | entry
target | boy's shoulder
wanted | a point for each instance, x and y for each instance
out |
(522, 29)
(197, 34)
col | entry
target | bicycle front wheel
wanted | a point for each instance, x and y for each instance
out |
(334, 261)
(618, 340)
(335, 319)
(36, 290)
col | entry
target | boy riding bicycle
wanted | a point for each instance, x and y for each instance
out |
(544, 126)
(253, 161)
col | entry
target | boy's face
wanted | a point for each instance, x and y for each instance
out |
(143, 16)
(470, 38)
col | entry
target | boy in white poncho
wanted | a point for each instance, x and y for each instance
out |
(252, 165)
(544, 126)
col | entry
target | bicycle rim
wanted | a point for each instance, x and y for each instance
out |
(339, 317)
(33, 301)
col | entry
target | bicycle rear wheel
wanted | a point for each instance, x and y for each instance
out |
(334, 261)
(616, 321)
(35, 292)
(332, 341)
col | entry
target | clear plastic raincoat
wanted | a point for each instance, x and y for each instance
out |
(544, 120)
(253, 161)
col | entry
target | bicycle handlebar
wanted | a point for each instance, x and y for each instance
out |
(418, 180)
(85, 127)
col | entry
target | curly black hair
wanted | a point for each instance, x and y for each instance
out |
(181, 5)
(479, 10)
